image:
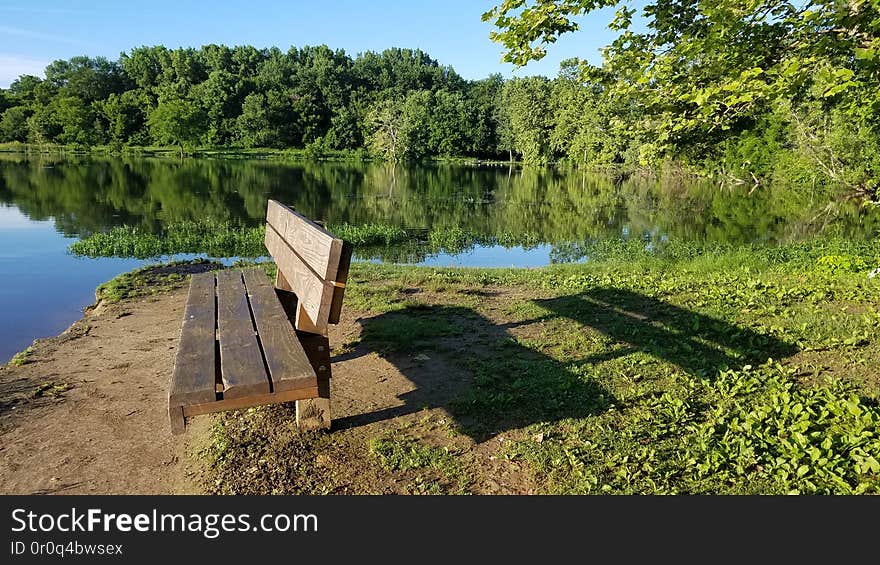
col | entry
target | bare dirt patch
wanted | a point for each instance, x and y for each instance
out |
(86, 412)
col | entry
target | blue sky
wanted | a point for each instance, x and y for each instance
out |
(34, 33)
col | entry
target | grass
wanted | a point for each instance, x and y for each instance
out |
(429, 469)
(216, 239)
(753, 430)
(22, 357)
(211, 152)
(729, 371)
(263, 447)
(309, 153)
(367, 235)
(50, 390)
(153, 279)
(401, 454)
(411, 332)
(691, 370)
(222, 239)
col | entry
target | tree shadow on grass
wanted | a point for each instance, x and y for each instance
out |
(491, 383)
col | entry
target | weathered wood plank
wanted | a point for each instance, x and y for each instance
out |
(317, 247)
(247, 402)
(314, 294)
(285, 296)
(314, 413)
(288, 364)
(241, 361)
(193, 376)
(178, 421)
(317, 349)
(339, 286)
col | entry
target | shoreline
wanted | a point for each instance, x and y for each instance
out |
(266, 153)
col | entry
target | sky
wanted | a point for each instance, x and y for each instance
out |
(33, 33)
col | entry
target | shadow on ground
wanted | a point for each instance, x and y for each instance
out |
(491, 383)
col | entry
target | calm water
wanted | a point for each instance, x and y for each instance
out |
(544, 216)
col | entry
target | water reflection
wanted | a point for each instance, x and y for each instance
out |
(559, 208)
(513, 217)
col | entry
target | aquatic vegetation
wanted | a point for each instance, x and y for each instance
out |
(22, 357)
(221, 239)
(216, 239)
(367, 235)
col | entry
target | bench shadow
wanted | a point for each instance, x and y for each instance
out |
(462, 362)
(490, 382)
(698, 344)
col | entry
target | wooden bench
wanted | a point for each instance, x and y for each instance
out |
(246, 343)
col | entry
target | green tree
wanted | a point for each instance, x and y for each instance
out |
(43, 126)
(76, 119)
(703, 72)
(24, 88)
(125, 116)
(451, 121)
(85, 78)
(388, 136)
(177, 122)
(253, 126)
(221, 99)
(13, 124)
(527, 103)
(484, 97)
(583, 127)
(312, 96)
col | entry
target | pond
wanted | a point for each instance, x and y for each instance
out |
(515, 217)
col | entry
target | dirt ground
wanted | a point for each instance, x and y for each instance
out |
(87, 412)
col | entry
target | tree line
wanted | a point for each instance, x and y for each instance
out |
(399, 104)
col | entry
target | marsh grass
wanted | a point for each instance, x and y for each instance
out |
(216, 239)
(223, 239)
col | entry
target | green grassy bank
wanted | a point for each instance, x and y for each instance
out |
(733, 371)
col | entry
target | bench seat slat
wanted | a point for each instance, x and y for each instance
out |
(260, 400)
(241, 361)
(289, 367)
(194, 372)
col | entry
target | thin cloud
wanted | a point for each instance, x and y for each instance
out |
(39, 35)
(12, 67)
(62, 11)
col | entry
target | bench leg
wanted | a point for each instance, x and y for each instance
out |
(178, 422)
(313, 414)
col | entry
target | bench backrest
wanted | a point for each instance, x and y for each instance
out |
(312, 263)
